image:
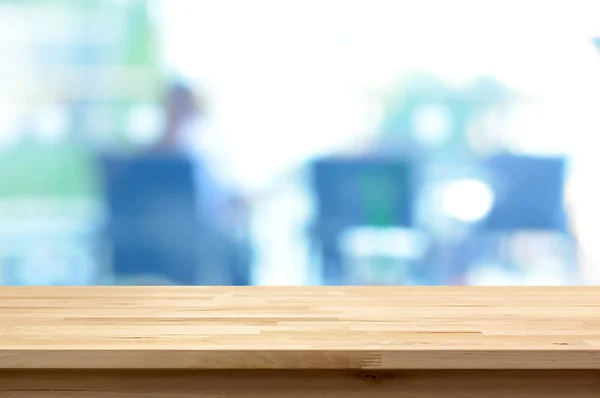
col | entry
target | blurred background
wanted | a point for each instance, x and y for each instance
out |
(294, 142)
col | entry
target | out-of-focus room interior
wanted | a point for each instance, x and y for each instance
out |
(298, 142)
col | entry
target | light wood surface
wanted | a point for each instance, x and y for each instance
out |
(299, 328)
(300, 384)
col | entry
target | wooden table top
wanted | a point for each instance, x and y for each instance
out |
(299, 327)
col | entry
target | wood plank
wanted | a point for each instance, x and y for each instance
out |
(300, 328)
(300, 384)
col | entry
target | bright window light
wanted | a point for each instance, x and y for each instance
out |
(468, 200)
(432, 124)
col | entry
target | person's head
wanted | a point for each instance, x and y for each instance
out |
(180, 103)
(180, 106)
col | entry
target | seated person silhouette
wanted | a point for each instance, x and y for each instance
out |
(173, 218)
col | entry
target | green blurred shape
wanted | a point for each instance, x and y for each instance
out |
(377, 196)
(464, 104)
(68, 171)
(65, 172)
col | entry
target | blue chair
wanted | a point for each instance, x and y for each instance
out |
(364, 192)
(355, 192)
(529, 193)
(152, 218)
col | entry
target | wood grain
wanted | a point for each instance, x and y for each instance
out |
(299, 328)
(300, 384)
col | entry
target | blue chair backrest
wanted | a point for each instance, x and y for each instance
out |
(152, 217)
(364, 192)
(529, 193)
